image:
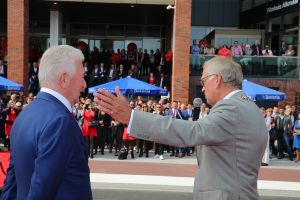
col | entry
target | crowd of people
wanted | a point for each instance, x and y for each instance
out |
(240, 50)
(101, 131)
(104, 134)
(284, 135)
(104, 65)
(108, 133)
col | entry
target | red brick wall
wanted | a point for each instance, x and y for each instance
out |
(193, 83)
(17, 31)
(181, 50)
(288, 86)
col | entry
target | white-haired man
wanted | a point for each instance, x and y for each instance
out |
(230, 143)
(48, 153)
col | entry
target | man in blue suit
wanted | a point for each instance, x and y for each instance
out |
(48, 153)
(177, 114)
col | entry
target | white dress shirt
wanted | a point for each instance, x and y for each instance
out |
(1, 69)
(231, 94)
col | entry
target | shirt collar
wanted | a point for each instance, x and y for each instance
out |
(57, 95)
(231, 94)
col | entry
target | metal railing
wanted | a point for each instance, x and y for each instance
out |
(255, 66)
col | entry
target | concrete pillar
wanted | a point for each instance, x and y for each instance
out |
(18, 39)
(181, 50)
(55, 28)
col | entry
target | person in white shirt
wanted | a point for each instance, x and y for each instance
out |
(267, 51)
(2, 69)
(203, 112)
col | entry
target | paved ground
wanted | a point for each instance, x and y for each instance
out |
(172, 178)
(124, 194)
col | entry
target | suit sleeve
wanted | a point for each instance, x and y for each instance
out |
(55, 146)
(215, 129)
(9, 190)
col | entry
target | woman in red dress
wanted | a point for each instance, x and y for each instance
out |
(129, 142)
(14, 110)
(89, 132)
(152, 79)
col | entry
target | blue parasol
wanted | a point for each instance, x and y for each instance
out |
(261, 93)
(131, 86)
(8, 85)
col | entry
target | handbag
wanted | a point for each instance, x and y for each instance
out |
(93, 123)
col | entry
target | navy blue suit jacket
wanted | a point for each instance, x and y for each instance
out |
(186, 114)
(178, 113)
(48, 154)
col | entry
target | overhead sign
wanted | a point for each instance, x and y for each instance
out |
(281, 5)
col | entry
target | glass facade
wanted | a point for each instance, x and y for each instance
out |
(255, 66)
(108, 36)
(283, 28)
(249, 4)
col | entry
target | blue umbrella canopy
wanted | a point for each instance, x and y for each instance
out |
(261, 93)
(130, 86)
(8, 85)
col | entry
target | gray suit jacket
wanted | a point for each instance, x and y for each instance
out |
(230, 143)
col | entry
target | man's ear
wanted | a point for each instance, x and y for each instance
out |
(218, 80)
(64, 80)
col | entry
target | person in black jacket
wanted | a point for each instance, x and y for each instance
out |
(104, 131)
(196, 110)
(256, 49)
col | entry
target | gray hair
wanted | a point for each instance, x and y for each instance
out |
(230, 71)
(197, 102)
(58, 59)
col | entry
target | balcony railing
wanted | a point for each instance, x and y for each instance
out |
(255, 66)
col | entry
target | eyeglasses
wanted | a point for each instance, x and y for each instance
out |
(203, 80)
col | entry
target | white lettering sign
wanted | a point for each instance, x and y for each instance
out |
(284, 4)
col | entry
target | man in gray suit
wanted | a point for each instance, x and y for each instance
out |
(230, 141)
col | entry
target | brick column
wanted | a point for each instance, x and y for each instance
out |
(181, 50)
(17, 32)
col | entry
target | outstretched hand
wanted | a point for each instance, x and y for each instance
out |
(116, 106)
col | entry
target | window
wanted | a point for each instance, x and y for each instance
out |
(97, 29)
(274, 24)
(118, 44)
(79, 29)
(115, 30)
(151, 43)
(246, 5)
(132, 30)
(94, 43)
(291, 21)
(259, 2)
